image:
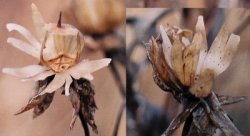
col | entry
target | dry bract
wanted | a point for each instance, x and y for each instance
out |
(187, 59)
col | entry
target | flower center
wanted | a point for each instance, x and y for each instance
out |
(61, 63)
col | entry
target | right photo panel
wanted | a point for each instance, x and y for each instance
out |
(188, 67)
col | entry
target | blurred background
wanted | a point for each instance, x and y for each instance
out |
(188, 3)
(149, 109)
(104, 33)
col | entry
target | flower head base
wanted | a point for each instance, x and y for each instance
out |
(186, 59)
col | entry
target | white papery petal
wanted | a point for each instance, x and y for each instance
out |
(87, 67)
(26, 33)
(166, 45)
(220, 54)
(200, 28)
(67, 84)
(55, 84)
(88, 77)
(220, 57)
(40, 76)
(38, 22)
(25, 47)
(25, 72)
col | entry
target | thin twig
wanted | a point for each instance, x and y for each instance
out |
(84, 124)
(118, 119)
(220, 118)
(176, 122)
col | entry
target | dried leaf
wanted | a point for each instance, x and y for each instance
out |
(46, 100)
(39, 103)
(75, 101)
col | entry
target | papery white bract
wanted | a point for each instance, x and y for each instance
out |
(58, 50)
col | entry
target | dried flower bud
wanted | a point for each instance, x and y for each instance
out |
(98, 16)
(187, 58)
(61, 47)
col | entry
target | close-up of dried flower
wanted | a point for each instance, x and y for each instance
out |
(58, 51)
(195, 56)
(188, 60)
(184, 66)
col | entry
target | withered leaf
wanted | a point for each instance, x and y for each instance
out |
(83, 102)
(39, 103)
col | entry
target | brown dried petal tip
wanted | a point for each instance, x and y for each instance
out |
(59, 24)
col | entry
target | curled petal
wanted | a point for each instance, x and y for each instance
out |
(38, 21)
(40, 76)
(26, 33)
(25, 72)
(200, 28)
(87, 67)
(220, 55)
(177, 60)
(25, 47)
(67, 84)
(164, 75)
(230, 49)
(191, 57)
(166, 45)
(55, 84)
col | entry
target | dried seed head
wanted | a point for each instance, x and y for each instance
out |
(61, 47)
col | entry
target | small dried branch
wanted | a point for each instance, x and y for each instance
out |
(118, 120)
(84, 124)
(220, 118)
(227, 100)
(39, 102)
(182, 117)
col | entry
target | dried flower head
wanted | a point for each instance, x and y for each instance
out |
(187, 61)
(58, 49)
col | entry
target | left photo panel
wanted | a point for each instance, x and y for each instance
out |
(63, 68)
